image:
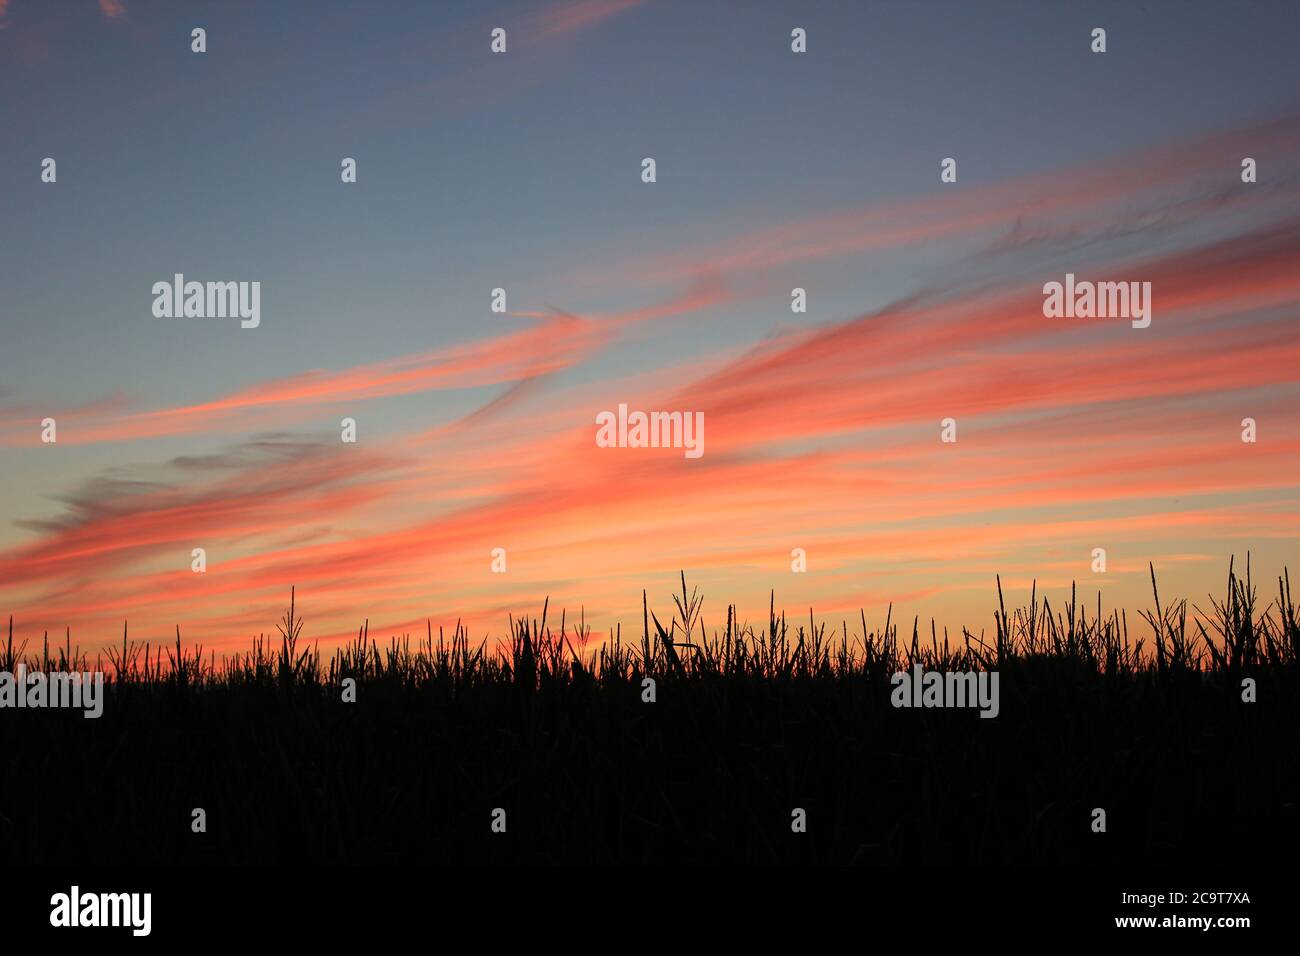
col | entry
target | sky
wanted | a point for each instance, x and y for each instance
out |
(774, 170)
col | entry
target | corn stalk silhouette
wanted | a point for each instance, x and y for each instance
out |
(1238, 634)
(688, 611)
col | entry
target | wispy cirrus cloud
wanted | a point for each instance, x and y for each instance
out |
(111, 9)
(573, 16)
(830, 434)
(1148, 191)
(1073, 434)
(557, 341)
(473, 78)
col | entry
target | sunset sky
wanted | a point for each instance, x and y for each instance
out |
(775, 170)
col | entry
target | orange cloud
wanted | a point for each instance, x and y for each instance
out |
(559, 341)
(1072, 435)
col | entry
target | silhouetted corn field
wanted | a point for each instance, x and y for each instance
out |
(1143, 719)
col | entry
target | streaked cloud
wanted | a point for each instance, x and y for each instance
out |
(822, 428)
(573, 16)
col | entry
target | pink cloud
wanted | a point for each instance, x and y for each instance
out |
(1073, 434)
(1061, 447)
(558, 341)
(564, 19)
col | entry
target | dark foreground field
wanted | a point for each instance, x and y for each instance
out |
(1144, 719)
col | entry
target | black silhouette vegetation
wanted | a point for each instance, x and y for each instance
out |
(747, 725)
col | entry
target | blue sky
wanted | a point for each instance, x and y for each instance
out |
(522, 171)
